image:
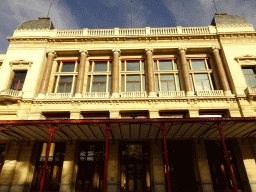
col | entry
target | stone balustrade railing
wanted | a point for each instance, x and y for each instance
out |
(134, 94)
(11, 93)
(171, 93)
(135, 31)
(58, 95)
(211, 93)
(96, 95)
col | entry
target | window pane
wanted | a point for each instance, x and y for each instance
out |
(199, 86)
(61, 88)
(123, 66)
(167, 77)
(188, 65)
(248, 71)
(143, 64)
(123, 82)
(14, 85)
(206, 85)
(248, 81)
(143, 83)
(136, 87)
(198, 64)
(133, 78)
(178, 82)
(157, 87)
(88, 83)
(102, 87)
(95, 87)
(109, 84)
(201, 77)
(171, 86)
(99, 79)
(20, 85)
(90, 67)
(129, 87)
(165, 65)
(68, 67)
(164, 86)
(133, 66)
(253, 80)
(77, 67)
(64, 79)
(68, 88)
(100, 66)
(20, 75)
(155, 65)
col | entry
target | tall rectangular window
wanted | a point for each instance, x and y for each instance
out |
(99, 76)
(132, 75)
(250, 76)
(18, 80)
(200, 74)
(166, 75)
(65, 76)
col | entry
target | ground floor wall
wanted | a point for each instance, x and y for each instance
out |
(195, 168)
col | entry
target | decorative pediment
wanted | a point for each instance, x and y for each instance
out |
(246, 60)
(21, 64)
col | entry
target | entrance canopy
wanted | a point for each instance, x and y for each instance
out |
(176, 128)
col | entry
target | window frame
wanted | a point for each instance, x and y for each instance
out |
(91, 74)
(250, 75)
(158, 72)
(58, 74)
(13, 79)
(207, 71)
(124, 73)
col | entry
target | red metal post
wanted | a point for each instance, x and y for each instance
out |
(107, 129)
(219, 126)
(52, 129)
(163, 128)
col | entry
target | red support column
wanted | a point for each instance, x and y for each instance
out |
(52, 129)
(163, 128)
(219, 126)
(106, 159)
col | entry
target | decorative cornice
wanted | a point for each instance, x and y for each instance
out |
(21, 63)
(234, 25)
(245, 58)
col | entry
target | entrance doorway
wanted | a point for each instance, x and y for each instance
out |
(53, 170)
(90, 167)
(181, 166)
(219, 168)
(135, 167)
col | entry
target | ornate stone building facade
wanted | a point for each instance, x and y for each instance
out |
(149, 109)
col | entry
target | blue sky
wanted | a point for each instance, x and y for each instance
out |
(93, 14)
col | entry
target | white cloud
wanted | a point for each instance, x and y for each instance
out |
(14, 12)
(201, 12)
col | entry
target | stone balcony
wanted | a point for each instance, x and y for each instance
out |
(251, 91)
(133, 94)
(96, 95)
(9, 94)
(171, 93)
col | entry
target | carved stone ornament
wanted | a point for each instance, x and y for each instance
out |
(50, 51)
(246, 60)
(149, 50)
(83, 51)
(182, 49)
(21, 64)
(215, 48)
(116, 51)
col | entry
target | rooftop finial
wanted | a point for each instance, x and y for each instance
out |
(215, 6)
(49, 10)
(131, 14)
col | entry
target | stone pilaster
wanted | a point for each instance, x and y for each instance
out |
(115, 73)
(185, 71)
(221, 71)
(113, 178)
(47, 74)
(9, 166)
(249, 163)
(150, 73)
(67, 184)
(157, 167)
(203, 166)
(24, 170)
(81, 71)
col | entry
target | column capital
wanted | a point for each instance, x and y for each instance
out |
(149, 50)
(52, 52)
(83, 51)
(214, 48)
(116, 50)
(182, 49)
